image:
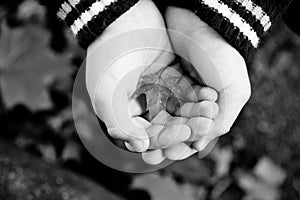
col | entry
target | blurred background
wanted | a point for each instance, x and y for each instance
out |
(41, 156)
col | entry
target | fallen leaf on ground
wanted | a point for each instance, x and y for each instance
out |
(164, 188)
(267, 170)
(27, 66)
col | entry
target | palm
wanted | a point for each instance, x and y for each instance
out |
(135, 44)
(219, 65)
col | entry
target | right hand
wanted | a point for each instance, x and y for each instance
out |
(226, 74)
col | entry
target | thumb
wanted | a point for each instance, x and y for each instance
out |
(221, 67)
(231, 101)
(111, 104)
(229, 77)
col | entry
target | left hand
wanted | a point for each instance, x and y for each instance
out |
(226, 74)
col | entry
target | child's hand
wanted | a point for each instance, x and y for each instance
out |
(225, 72)
(115, 61)
(220, 66)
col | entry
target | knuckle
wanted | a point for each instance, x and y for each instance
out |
(245, 93)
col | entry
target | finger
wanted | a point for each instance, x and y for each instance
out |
(171, 72)
(185, 110)
(164, 118)
(207, 109)
(179, 152)
(207, 93)
(161, 118)
(201, 144)
(206, 148)
(135, 108)
(141, 122)
(153, 157)
(198, 93)
(185, 83)
(130, 147)
(176, 120)
(200, 127)
(191, 93)
(167, 136)
(132, 144)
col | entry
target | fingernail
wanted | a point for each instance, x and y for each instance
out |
(202, 145)
(138, 145)
(129, 147)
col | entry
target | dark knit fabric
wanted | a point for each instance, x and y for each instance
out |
(243, 23)
(51, 4)
(224, 26)
(292, 16)
(97, 24)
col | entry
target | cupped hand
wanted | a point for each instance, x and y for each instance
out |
(134, 43)
(226, 72)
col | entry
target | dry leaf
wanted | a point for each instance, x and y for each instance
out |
(158, 88)
(271, 173)
(162, 188)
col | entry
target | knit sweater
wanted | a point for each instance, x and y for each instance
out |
(243, 23)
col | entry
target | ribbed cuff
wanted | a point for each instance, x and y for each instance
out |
(242, 23)
(89, 18)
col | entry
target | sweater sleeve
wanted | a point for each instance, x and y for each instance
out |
(292, 15)
(88, 18)
(243, 23)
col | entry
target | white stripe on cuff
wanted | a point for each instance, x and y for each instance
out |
(258, 12)
(89, 13)
(66, 8)
(235, 19)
